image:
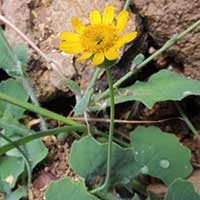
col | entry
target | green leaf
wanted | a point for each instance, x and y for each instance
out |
(88, 158)
(73, 86)
(162, 86)
(82, 105)
(159, 154)
(137, 60)
(8, 59)
(136, 197)
(153, 197)
(35, 150)
(14, 89)
(182, 190)
(21, 52)
(10, 169)
(65, 189)
(4, 187)
(17, 194)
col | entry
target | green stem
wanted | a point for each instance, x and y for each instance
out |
(24, 156)
(187, 121)
(24, 140)
(38, 110)
(111, 131)
(167, 45)
(83, 103)
(55, 131)
(127, 4)
(29, 88)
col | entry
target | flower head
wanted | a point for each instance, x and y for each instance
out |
(100, 39)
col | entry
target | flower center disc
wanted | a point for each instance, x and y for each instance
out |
(98, 38)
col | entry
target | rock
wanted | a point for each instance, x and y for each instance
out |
(165, 18)
(19, 14)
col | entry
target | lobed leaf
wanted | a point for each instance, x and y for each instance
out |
(162, 86)
(65, 189)
(88, 158)
(182, 190)
(159, 154)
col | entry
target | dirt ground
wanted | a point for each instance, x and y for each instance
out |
(156, 21)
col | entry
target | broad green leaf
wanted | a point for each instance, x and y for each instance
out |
(73, 86)
(88, 158)
(64, 189)
(10, 169)
(21, 52)
(35, 150)
(159, 154)
(17, 194)
(182, 190)
(162, 86)
(15, 89)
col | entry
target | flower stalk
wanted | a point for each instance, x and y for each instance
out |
(111, 131)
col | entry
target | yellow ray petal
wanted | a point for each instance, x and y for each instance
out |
(98, 59)
(84, 56)
(77, 24)
(122, 20)
(126, 38)
(111, 54)
(95, 17)
(108, 15)
(72, 37)
(71, 47)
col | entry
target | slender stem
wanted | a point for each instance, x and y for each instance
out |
(29, 88)
(167, 45)
(38, 110)
(187, 121)
(111, 131)
(55, 131)
(127, 4)
(24, 140)
(90, 90)
(51, 115)
(24, 156)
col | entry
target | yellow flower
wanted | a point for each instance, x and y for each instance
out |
(100, 39)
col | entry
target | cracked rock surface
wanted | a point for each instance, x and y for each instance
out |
(164, 18)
